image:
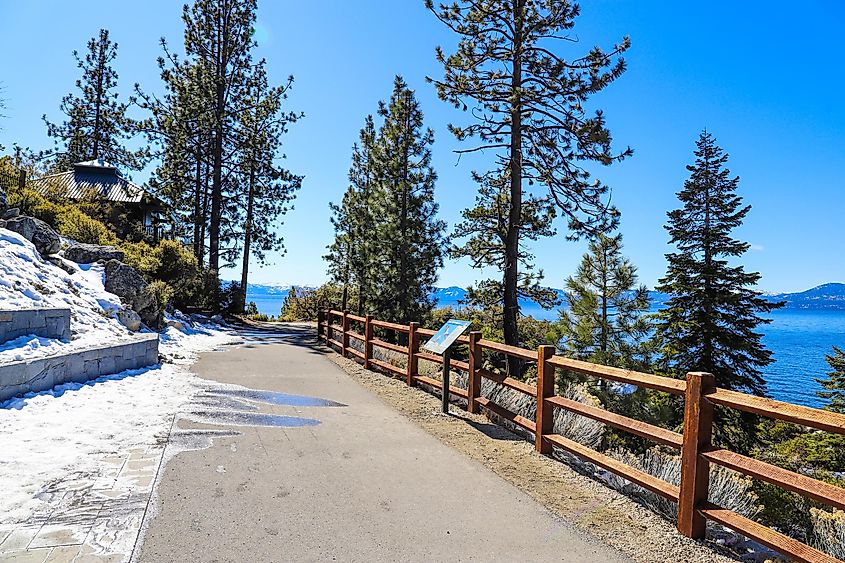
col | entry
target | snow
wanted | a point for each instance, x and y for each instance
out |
(50, 435)
(28, 282)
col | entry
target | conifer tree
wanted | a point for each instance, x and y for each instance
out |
(96, 124)
(528, 101)
(605, 322)
(269, 189)
(834, 383)
(409, 236)
(482, 237)
(350, 256)
(709, 323)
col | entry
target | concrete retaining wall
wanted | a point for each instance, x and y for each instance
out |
(46, 323)
(45, 373)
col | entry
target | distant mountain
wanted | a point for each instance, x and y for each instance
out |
(827, 296)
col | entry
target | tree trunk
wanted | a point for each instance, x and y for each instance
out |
(217, 166)
(198, 213)
(250, 204)
(101, 63)
(403, 219)
(511, 273)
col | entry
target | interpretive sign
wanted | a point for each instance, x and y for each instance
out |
(446, 336)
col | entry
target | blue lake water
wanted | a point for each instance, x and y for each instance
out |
(798, 338)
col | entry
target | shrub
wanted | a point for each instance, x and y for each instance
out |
(174, 264)
(828, 532)
(74, 224)
(303, 304)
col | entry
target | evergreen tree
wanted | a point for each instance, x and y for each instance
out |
(96, 124)
(269, 189)
(528, 104)
(606, 322)
(409, 236)
(485, 230)
(834, 383)
(350, 256)
(710, 320)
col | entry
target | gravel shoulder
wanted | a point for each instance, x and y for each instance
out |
(590, 506)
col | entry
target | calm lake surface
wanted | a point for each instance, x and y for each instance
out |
(799, 339)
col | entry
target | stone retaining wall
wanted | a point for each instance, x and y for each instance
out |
(41, 374)
(46, 323)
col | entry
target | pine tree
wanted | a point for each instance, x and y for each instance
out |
(710, 320)
(834, 383)
(269, 189)
(605, 322)
(528, 104)
(483, 236)
(96, 124)
(409, 236)
(351, 255)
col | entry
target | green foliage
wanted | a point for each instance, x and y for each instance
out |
(303, 304)
(834, 383)
(709, 322)
(96, 124)
(76, 225)
(527, 103)
(388, 241)
(251, 309)
(161, 293)
(173, 264)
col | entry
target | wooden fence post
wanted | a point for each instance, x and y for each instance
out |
(368, 337)
(328, 316)
(345, 339)
(695, 470)
(319, 323)
(545, 388)
(474, 377)
(413, 348)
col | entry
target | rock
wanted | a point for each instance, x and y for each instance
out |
(2, 224)
(45, 239)
(56, 261)
(178, 325)
(90, 253)
(125, 282)
(130, 319)
(11, 213)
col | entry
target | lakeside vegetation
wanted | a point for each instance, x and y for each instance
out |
(214, 140)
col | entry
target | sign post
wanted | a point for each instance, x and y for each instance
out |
(440, 343)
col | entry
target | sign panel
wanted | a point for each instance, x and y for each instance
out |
(446, 336)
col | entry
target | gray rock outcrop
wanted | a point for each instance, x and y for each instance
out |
(125, 282)
(45, 239)
(90, 253)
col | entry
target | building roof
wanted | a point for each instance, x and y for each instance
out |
(95, 178)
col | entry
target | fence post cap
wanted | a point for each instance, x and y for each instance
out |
(546, 350)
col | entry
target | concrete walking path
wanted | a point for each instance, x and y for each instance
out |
(365, 484)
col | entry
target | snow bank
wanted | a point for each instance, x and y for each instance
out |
(28, 282)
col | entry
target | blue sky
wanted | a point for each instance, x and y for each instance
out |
(767, 78)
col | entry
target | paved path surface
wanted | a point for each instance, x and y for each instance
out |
(365, 484)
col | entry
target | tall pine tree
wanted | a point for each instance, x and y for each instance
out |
(527, 100)
(268, 188)
(351, 255)
(409, 237)
(96, 124)
(709, 323)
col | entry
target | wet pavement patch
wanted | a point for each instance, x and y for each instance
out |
(276, 398)
(250, 419)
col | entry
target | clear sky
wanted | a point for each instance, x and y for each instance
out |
(767, 78)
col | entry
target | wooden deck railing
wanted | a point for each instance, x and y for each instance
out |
(697, 452)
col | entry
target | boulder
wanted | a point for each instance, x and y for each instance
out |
(56, 261)
(90, 253)
(130, 319)
(178, 325)
(125, 282)
(45, 239)
(11, 213)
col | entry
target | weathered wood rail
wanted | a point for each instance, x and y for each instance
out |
(694, 444)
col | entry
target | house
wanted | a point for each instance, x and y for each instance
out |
(134, 212)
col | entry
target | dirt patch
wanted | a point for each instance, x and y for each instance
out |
(589, 505)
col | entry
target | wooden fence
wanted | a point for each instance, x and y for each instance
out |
(697, 452)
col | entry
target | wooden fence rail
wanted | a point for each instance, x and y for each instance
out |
(697, 452)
